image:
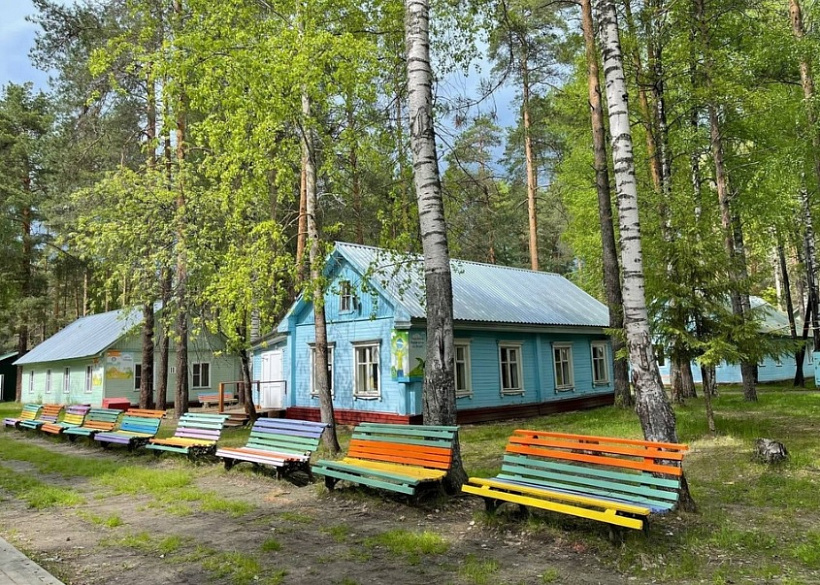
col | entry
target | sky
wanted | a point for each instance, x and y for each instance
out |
(16, 39)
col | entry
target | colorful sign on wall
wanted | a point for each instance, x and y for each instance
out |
(407, 353)
(119, 365)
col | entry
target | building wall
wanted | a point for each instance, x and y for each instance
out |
(768, 370)
(35, 387)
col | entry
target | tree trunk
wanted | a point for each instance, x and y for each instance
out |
(439, 395)
(799, 379)
(807, 82)
(147, 366)
(301, 235)
(687, 381)
(532, 173)
(811, 265)
(612, 273)
(322, 384)
(355, 176)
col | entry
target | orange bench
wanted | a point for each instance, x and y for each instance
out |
(74, 417)
(617, 481)
(49, 414)
(400, 458)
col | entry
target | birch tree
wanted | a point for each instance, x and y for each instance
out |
(439, 395)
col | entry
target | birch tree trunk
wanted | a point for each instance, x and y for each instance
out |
(322, 384)
(612, 272)
(439, 395)
(532, 173)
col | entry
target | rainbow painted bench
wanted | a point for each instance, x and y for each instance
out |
(196, 435)
(74, 417)
(208, 398)
(617, 481)
(399, 458)
(97, 420)
(136, 427)
(49, 414)
(283, 443)
(29, 412)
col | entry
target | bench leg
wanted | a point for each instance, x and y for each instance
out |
(330, 483)
(491, 505)
(616, 534)
(228, 463)
(103, 444)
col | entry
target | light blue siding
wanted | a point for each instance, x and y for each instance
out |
(768, 370)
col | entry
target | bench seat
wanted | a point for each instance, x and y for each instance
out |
(617, 481)
(285, 444)
(399, 458)
(208, 398)
(49, 414)
(74, 417)
(28, 412)
(196, 435)
(97, 420)
(136, 428)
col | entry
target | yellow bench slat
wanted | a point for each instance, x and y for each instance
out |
(409, 471)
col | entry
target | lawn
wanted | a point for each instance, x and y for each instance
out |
(166, 519)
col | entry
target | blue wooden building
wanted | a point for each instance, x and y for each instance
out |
(526, 343)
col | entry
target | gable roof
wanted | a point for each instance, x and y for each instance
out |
(481, 292)
(85, 337)
(772, 320)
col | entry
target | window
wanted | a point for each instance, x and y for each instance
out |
(202, 375)
(137, 376)
(600, 371)
(89, 379)
(48, 381)
(462, 369)
(31, 382)
(345, 296)
(777, 361)
(67, 381)
(562, 356)
(313, 389)
(511, 375)
(366, 383)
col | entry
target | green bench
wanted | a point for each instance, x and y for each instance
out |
(136, 428)
(29, 412)
(285, 444)
(616, 481)
(97, 420)
(74, 417)
(399, 458)
(195, 436)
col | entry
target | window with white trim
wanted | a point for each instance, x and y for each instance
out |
(562, 360)
(137, 377)
(48, 381)
(600, 367)
(345, 296)
(366, 373)
(89, 379)
(67, 381)
(330, 352)
(464, 385)
(201, 375)
(31, 382)
(509, 358)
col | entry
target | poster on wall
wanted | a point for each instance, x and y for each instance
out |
(119, 365)
(407, 352)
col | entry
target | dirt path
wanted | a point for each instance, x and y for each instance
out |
(288, 533)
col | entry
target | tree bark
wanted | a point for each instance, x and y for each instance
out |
(612, 271)
(439, 396)
(316, 269)
(147, 366)
(532, 173)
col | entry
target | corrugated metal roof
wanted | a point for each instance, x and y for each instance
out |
(482, 292)
(771, 320)
(85, 337)
(7, 355)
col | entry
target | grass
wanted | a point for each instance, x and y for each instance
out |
(410, 545)
(37, 494)
(240, 568)
(478, 571)
(146, 543)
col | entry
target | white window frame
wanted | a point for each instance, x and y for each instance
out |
(89, 379)
(467, 389)
(346, 303)
(48, 382)
(31, 382)
(137, 377)
(604, 347)
(194, 375)
(519, 367)
(331, 354)
(563, 346)
(66, 380)
(376, 346)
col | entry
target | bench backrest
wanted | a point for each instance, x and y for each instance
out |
(214, 396)
(30, 411)
(102, 419)
(420, 445)
(75, 414)
(50, 412)
(298, 437)
(144, 421)
(197, 425)
(635, 470)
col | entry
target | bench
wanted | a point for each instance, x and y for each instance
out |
(96, 421)
(285, 444)
(617, 481)
(196, 435)
(74, 417)
(49, 414)
(208, 398)
(137, 426)
(29, 412)
(400, 458)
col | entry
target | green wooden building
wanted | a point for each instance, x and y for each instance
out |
(98, 357)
